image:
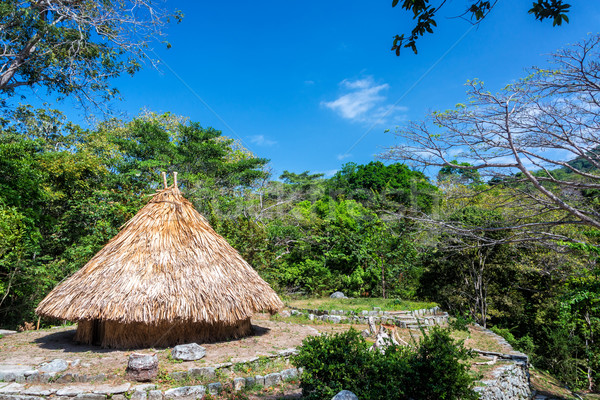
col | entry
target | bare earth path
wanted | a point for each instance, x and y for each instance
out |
(35, 347)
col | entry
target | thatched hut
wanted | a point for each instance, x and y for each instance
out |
(167, 278)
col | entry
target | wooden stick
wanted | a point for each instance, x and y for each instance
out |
(175, 179)
(164, 176)
(38, 324)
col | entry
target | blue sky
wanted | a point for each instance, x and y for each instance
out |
(313, 84)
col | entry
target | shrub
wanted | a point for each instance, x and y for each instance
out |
(434, 370)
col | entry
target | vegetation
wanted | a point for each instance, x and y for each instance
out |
(507, 236)
(360, 304)
(343, 361)
(425, 12)
(75, 48)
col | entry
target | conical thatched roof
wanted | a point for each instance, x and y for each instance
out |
(166, 265)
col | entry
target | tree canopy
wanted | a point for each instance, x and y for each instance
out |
(75, 48)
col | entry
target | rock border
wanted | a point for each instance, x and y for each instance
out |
(403, 319)
(510, 382)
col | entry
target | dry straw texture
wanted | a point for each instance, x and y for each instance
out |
(167, 265)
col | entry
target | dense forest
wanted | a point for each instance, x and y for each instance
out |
(65, 191)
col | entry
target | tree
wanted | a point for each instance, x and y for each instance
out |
(424, 13)
(75, 47)
(522, 139)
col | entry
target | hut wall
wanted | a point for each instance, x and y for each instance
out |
(139, 335)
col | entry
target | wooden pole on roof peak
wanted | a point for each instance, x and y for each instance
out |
(175, 178)
(164, 176)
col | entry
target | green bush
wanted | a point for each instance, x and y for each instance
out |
(524, 344)
(435, 369)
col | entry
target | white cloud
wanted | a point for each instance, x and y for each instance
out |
(340, 157)
(261, 140)
(363, 101)
(329, 173)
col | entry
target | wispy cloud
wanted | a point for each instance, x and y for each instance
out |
(261, 140)
(341, 157)
(329, 173)
(363, 100)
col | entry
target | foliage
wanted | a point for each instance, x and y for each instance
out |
(391, 186)
(75, 48)
(425, 13)
(436, 369)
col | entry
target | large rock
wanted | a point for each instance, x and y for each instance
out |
(142, 367)
(53, 367)
(338, 295)
(345, 395)
(188, 352)
(272, 379)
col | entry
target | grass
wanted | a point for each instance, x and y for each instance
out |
(546, 384)
(359, 304)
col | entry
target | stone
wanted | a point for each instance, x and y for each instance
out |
(272, 379)
(336, 319)
(90, 396)
(139, 395)
(184, 391)
(345, 395)
(250, 381)
(75, 363)
(239, 384)
(338, 295)
(142, 367)
(118, 397)
(260, 380)
(289, 373)
(53, 367)
(284, 314)
(66, 378)
(214, 388)
(366, 333)
(205, 372)
(179, 375)
(112, 389)
(287, 352)
(39, 391)
(19, 397)
(98, 378)
(12, 388)
(143, 387)
(9, 373)
(70, 391)
(188, 352)
(6, 332)
(155, 395)
(311, 317)
(296, 312)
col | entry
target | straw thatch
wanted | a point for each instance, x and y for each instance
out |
(166, 278)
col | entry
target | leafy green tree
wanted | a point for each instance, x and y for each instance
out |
(391, 186)
(75, 48)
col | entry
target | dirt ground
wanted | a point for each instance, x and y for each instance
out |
(35, 347)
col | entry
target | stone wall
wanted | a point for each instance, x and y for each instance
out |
(403, 319)
(509, 381)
